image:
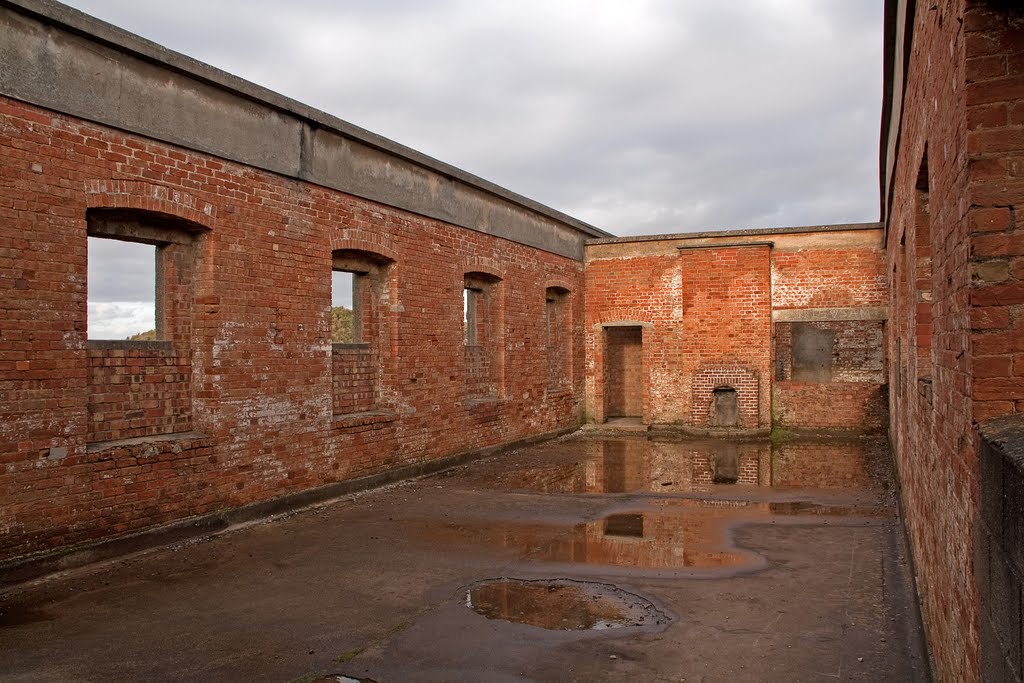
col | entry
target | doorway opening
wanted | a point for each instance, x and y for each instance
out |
(623, 375)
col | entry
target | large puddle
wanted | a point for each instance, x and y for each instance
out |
(686, 498)
(675, 534)
(562, 604)
(640, 465)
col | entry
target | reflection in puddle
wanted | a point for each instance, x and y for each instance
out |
(678, 533)
(562, 604)
(637, 465)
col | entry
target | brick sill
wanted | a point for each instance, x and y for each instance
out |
(360, 346)
(369, 417)
(128, 345)
(103, 446)
(557, 392)
(482, 401)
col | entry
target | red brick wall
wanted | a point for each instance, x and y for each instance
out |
(355, 372)
(707, 323)
(706, 315)
(855, 398)
(137, 389)
(262, 370)
(726, 329)
(826, 276)
(962, 123)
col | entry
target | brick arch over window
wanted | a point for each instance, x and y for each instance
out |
(746, 384)
(623, 316)
(356, 239)
(148, 197)
(485, 266)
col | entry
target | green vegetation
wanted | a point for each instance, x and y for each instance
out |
(148, 335)
(780, 434)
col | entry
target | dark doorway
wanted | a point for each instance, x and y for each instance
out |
(726, 409)
(623, 374)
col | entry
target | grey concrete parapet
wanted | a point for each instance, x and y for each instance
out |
(752, 232)
(56, 57)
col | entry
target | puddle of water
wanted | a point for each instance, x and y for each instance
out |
(637, 465)
(562, 604)
(677, 533)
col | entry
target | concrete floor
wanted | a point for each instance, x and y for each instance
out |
(754, 563)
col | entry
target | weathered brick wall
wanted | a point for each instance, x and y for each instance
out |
(706, 322)
(858, 354)
(261, 377)
(951, 246)
(955, 196)
(707, 314)
(854, 398)
(355, 374)
(995, 148)
(137, 389)
(838, 271)
(726, 330)
(642, 291)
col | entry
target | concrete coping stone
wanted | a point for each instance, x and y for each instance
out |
(368, 417)
(731, 245)
(1006, 435)
(746, 232)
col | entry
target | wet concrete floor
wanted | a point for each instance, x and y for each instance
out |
(587, 558)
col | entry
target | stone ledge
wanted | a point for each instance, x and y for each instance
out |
(129, 345)
(104, 446)
(794, 315)
(482, 402)
(369, 417)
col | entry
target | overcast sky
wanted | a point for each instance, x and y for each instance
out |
(638, 116)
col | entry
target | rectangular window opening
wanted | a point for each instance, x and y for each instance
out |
(470, 315)
(121, 297)
(345, 308)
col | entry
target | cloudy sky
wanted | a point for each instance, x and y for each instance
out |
(638, 116)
